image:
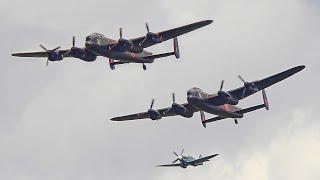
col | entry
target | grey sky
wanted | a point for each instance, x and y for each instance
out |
(54, 122)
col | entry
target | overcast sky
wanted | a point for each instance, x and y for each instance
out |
(54, 121)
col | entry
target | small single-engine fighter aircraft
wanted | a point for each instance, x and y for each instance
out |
(123, 50)
(186, 161)
(221, 104)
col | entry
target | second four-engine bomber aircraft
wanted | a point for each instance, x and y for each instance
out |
(223, 104)
(120, 51)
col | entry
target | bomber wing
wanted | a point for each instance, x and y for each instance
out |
(169, 34)
(203, 159)
(164, 112)
(241, 93)
(42, 54)
(266, 82)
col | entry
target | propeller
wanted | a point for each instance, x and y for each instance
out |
(221, 86)
(151, 36)
(174, 102)
(49, 51)
(147, 27)
(241, 79)
(120, 31)
(152, 102)
(72, 48)
(181, 152)
(179, 157)
(220, 92)
(247, 85)
(123, 42)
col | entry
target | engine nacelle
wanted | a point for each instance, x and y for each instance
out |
(151, 38)
(54, 56)
(83, 54)
(179, 109)
(228, 99)
(154, 115)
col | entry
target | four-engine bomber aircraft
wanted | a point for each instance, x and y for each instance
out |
(186, 161)
(221, 104)
(122, 50)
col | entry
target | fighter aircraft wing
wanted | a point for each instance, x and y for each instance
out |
(41, 54)
(266, 82)
(165, 112)
(169, 165)
(169, 34)
(203, 159)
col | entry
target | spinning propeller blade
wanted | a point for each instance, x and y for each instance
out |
(120, 33)
(175, 161)
(175, 153)
(152, 102)
(48, 51)
(147, 26)
(73, 44)
(73, 41)
(221, 86)
(174, 101)
(241, 79)
(43, 48)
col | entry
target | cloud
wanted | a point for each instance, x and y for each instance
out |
(291, 154)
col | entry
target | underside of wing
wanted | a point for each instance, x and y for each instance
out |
(41, 54)
(31, 54)
(169, 34)
(165, 112)
(204, 159)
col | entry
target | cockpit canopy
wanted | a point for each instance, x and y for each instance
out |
(194, 91)
(94, 36)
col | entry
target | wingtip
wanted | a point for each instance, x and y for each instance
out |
(299, 68)
(302, 67)
(209, 21)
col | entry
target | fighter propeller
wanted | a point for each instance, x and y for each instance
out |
(179, 157)
(52, 55)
